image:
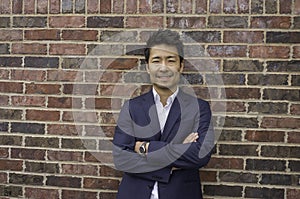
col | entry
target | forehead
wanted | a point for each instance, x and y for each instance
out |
(163, 50)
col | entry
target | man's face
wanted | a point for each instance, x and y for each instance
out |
(164, 67)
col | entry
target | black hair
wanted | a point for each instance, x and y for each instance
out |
(167, 37)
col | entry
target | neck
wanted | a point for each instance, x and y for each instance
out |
(164, 94)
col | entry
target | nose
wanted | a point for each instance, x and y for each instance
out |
(163, 66)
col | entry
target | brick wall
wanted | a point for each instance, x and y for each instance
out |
(67, 66)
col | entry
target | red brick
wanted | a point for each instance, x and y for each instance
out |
(270, 22)
(186, 22)
(64, 76)
(94, 183)
(243, 6)
(42, 6)
(92, 6)
(3, 178)
(100, 157)
(29, 7)
(72, 169)
(23, 48)
(295, 109)
(24, 153)
(265, 136)
(294, 137)
(227, 51)
(17, 6)
(82, 35)
(100, 76)
(109, 171)
(65, 156)
(105, 6)
(297, 7)
(4, 74)
(144, 6)
(64, 102)
(76, 116)
(80, 89)
(285, 6)
(103, 103)
(34, 88)
(273, 122)
(78, 194)
(118, 6)
(37, 193)
(208, 176)
(11, 165)
(119, 63)
(11, 35)
(243, 37)
(67, 49)
(28, 101)
(4, 153)
(293, 193)
(5, 7)
(270, 52)
(215, 6)
(144, 22)
(226, 163)
(296, 52)
(4, 100)
(242, 93)
(54, 6)
(28, 75)
(235, 107)
(64, 129)
(52, 34)
(66, 21)
(42, 115)
(11, 87)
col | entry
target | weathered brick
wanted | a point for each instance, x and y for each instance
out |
(4, 74)
(32, 48)
(11, 165)
(256, 192)
(296, 52)
(144, 22)
(225, 163)
(4, 22)
(76, 116)
(10, 140)
(109, 171)
(102, 103)
(3, 126)
(36, 193)
(5, 7)
(172, 6)
(29, 22)
(29, 7)
(11, 35)
(273, 122)
(230, 79)
(283, 37)
(285, 6)
(157, 6)
(242, 93)
(41, 62)
(99, 157)
(64, 75)
(72, 169)
(54, 6)
(42, 89)
(238, 177)
(257, 6)
(118, 6)
(295, 80)
(131, 6)
(296, 22)
(10, 114)
(208, 176)
(265, 165)
(243, 37)
(78, 194)
(280, 151)
(11, 87)
(271, 22)
(227, 51)
(92, 7)
(105, 22)
(269, 52)
(281, 94)
(227, 22)
(3, 178)
(271, 7)
(283, 66)
(229, 6)
(28, 75)
(119, 63)
(118, 36)
(25, 179)
(230, 135)
(269, 79)
(144, 6)
(67, 6)
(28, 128)
(67, 49)
(104, 131)
(11, 61)
(292, 193)
(295, 109)
(264, 136)
(80, 89)
(185, 22)
(60, 181)
(41, 167)
(215, 6)
(107, 195)
(65, 156)
(294, 166)
(82, 35)
(17, 6)
(186, 7)
(202, 36)
(95, 183)
(80, 6)
(66, 21)
(238, 150)
(24, 153)
(42, 6)
(242, 66)
(42, 115)
(4, 49)
(223, 190)
(64, 129)
(4, 100)
(11, 191)
(42, 142)
(52, 34)
(64, 102)
(105, 49)
(78, 144)
(297, 7)
(278, 179)
(243, 6)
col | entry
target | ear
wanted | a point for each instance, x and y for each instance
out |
(181, 67)
(147, 67)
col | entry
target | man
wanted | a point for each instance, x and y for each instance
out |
(163, 137)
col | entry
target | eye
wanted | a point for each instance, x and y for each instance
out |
(155, 61)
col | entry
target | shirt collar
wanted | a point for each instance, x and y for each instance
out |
(170, 98)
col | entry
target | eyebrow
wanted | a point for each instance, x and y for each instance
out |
(168, 57)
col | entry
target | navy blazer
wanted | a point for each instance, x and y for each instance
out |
(138, 121)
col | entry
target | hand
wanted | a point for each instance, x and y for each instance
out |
(138, 145)
(191, 138)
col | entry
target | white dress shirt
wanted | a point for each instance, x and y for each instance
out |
(162, 113)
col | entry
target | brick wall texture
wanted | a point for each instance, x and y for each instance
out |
(66, 67)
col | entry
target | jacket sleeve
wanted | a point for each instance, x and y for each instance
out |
(127, 160)
(192, 155)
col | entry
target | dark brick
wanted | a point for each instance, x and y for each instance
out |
(227, 51)
(265, 165)
(42, 142)
(28, 128)
(65, 156)
(107, 195)
(271, 22)
(223, 190)
(215, 6)
(67, 6)
(118, 36)
(281, 94)
(240, 150)
(229, 6)
(110, 172)
(10, 140)
(32, 154)
(80, 6)
(255, 192)
(72, 169)
(294, 166)
(4, 49)
(283, 37)
(26, 179)
(280, 151)
(39, 167)
(186, 22)
(259, 79)
(105, 22)
(78, 144)
(242, 93)
(78, 194)
(58, 181)
(285, 6)
(265, 136)
(29, 22)
(297, 22)
(257, 6)
(278, 179)
(3, 126)
(283, 66)
(227, 22)
(231, 79)
(95, 183)
(268, 108)
(230, 135)
(4, 22)
(11, 165)
(201, 36)
(243, 6)
(17, 6)
(271, 6)
(238, 177)
(36, 193)
(295, 80)
(11, 191)
(243, 37)
(42, 62)
(241, 122)
(157, 6)
(201, 7)
(242, 66)
(10, 114)
(11, 62)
